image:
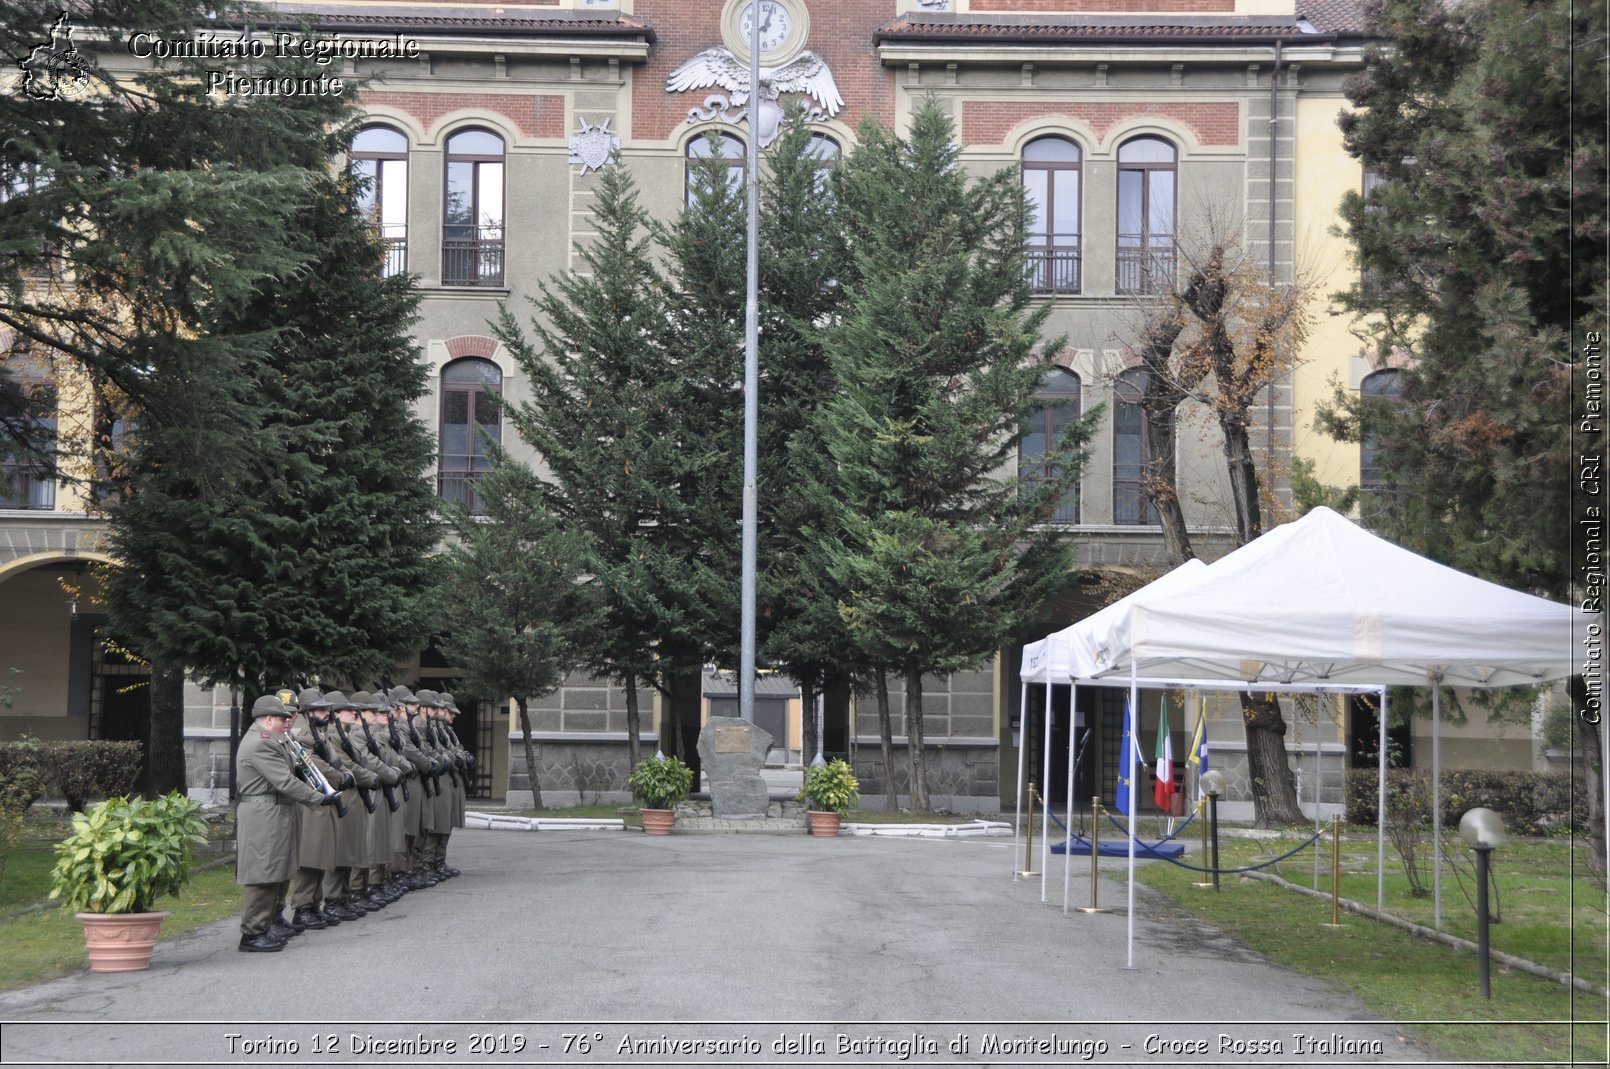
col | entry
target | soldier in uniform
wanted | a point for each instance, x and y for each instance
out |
(351, 831)
(319, 827)
(452, 814)
(420, 811)
(371, 884)
(266, 823)
(440, 812)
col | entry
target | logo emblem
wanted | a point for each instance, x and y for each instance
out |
(55, 70)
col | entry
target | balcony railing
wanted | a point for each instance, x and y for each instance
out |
(1130, 505)
(456, 476)
(25, 485)
(1054, 268)
(472, 256)
(396, 251)
(1144, 269)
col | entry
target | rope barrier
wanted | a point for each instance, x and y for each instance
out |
(1251, 868)
(1125, 830)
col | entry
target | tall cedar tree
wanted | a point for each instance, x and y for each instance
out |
(1483, 269)
(514, 607)
(161, 203)
(939, 357)
(802, 631)
(603, 416)
(316, 559)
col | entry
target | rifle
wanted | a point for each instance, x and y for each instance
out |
(396, 744)
(365, 795)
(386, 789)
(435, 732)
(315, 779)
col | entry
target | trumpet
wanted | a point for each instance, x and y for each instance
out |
(315, 779)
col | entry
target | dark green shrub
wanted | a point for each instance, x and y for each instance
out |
(1531, 803)
(22, 772)
(82, 769)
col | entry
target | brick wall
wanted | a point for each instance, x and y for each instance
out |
(988, 122)
(1199, 6)
(533, 116)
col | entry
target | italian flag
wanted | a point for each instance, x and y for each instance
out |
(1163, 792)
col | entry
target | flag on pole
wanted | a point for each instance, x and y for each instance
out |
(1199, 748)
(1129, 760)
(1163, 790)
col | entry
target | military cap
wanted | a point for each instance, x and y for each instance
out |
(429, 697)
(270, 705)
(401, 695)
(445, 700)
(336, 700)
(362, 700)
(313, 698)
(288, 696)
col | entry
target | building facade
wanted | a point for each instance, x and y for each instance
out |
(1142, 129)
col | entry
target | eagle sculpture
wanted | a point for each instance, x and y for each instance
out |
(807, 74)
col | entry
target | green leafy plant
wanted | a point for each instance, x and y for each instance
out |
(126, 853)
(831, 788)
(660, 782)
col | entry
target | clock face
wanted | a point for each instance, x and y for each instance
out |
(776, 24)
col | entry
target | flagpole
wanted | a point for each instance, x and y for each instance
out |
(1022, 733)
(1045, 781)
(1073, 758)
(750, 519)
(1134, 724)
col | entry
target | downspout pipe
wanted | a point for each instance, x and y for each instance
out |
(1274, 130)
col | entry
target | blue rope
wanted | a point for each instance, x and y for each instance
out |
(1251, 868)
(1165, 838)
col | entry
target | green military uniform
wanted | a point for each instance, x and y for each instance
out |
(320, 827)
(351, 830)
(266, 827)
(419, 810)
(385, 831)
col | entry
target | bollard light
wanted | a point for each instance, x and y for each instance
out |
(1212, 782)
(1484, 831)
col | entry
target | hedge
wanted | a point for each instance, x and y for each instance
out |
(1531, 803)
(78, 770)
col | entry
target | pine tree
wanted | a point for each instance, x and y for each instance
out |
(316, 557)
(939, 356)
(602, 417)
(515, 609)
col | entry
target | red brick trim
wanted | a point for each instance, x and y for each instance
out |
(1201, 6)
(987, 122)
(533, 116)
(471, 345)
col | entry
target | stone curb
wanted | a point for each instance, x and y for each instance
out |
(929, 831)
(701, 825)
(504, 822)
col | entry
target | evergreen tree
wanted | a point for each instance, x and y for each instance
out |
(315, 558)
(602, 416)
(1482, 249)
(938, 357)
(516, 612)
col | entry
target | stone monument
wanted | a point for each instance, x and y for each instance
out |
(732, 752)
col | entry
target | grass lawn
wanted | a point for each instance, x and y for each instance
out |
(1549, 913)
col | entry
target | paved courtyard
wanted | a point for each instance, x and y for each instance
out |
(613, 948)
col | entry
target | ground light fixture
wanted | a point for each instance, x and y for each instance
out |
(1483, 830)
(1212, 784)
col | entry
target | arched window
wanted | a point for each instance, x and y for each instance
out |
(472, 420)
(380, 159)
(1384, 386)
(1131, 446)
(1036, 453)
(1147, 169)
(472, 231)
(1051, 181)
(825, 151)
(717, 146)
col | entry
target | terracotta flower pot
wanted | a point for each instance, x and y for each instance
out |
(658, 821)
(120, 942)
(824, 824)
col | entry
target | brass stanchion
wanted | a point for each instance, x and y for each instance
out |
(1201, 816)
(1028, 843)
(1335, 872)
(1096, 813)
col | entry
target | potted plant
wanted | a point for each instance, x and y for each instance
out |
(120, 857)
(659, 783)
(830, 790)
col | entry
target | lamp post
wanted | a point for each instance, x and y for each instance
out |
(1212, 782)
(1484, 831)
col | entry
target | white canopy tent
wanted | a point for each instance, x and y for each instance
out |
(1322, 604)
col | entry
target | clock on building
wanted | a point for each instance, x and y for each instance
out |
(784, 25)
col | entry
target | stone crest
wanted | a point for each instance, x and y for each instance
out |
(593, 147)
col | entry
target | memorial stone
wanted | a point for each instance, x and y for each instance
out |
(733, 751)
